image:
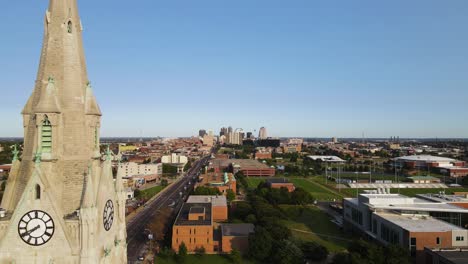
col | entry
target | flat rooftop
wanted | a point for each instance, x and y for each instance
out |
(237, 229)
(277, 180)
(425, 158)
(183, 216)
(454, 256)
(219, 200)
(418, 223)
(243, 163)
(443, 198)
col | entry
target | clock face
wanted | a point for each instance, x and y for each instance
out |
(108, 215)
(36, 228)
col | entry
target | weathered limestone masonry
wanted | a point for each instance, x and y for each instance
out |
(61, 203)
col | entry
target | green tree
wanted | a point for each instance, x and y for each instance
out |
(341, 258)
(187, 166)
(202, 190)
(182, 252)
(230, 195)
(200, 251)
(314, 251)
(167, 168)
(288, 253)
(164, 182)
(251, 219)
(137, 193)
(301, 197)
(235, 257)
(260, 244)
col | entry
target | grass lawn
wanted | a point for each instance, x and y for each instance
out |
(148, 193)
(318, 191)
(206, 259)
(254, 181)
(314, 225)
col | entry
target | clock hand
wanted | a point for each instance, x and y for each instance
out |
(30, 231)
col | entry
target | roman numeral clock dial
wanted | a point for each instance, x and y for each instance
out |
(108, 216)
(36, 228)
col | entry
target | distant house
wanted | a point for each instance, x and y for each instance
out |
(278, 183)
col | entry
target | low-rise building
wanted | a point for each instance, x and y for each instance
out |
(236, 236)
(278, 183)
(132, 168)
(197, 226)
(248, 167)
(221, 181)
(174, 158)
(425, 162)
(413, 223)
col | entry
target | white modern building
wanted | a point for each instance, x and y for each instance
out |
(413, 223)
(262, 133)
(174, 158)
(132, 168)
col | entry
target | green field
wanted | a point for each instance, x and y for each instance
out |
(314, 225)
(205, 259)
(149, 193)
(254, 182)
(318, 191)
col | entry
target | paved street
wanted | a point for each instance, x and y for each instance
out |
(135, 228)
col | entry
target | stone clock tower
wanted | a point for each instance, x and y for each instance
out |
(61, 203)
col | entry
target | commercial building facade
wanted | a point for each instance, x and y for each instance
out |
(413, 223)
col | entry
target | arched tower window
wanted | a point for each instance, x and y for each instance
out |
(70, 27)
(38, 192)
(46, 136)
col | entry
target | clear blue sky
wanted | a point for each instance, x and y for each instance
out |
(299, 67)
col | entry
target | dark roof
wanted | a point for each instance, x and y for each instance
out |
(182, 217)
(197, 210)
(277, 180)
(455, 257)
(237, 229)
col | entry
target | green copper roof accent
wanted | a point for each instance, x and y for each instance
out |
(108, 153)
(107, 252)
(38, 157)
(226, 178)
(15, 152)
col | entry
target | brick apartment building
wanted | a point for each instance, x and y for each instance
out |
(278, 183)
(198, 225)
(221, 181)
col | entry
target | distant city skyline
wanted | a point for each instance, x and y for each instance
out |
(301, 69)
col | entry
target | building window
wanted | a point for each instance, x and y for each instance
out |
(38, 192)
(70, 27)
(460, 238)
(96, 138)
(438, 240)
(46, 136)
(413, 246)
